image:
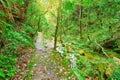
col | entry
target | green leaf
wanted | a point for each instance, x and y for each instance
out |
(76, 71)
(2, 74)
(11, 74)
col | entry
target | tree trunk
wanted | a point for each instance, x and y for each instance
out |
(80, 19)
(58, 24)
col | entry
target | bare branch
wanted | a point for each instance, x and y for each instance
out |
(103, 50)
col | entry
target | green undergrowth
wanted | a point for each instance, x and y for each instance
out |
(16, 41)
(90, 63)
(29, 75)
(7, 67)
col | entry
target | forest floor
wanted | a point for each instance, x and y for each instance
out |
(48, 65)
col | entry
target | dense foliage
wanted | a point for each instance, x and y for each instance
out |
(16, 35)
(86, 31)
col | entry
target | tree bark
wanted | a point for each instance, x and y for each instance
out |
(58, 24)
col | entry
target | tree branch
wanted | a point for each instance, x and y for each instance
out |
(101, 48)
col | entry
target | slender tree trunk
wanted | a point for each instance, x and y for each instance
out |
(60, 27)
(58, 24)
(88, 20)
(80, 19)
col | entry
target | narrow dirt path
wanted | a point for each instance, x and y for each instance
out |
(46, 67)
